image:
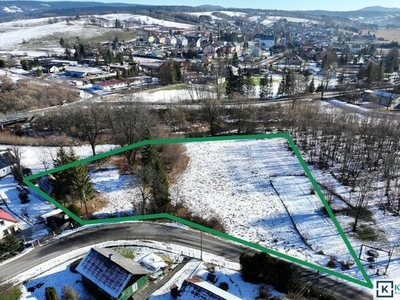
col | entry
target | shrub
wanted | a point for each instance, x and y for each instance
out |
(23, 196)
(74, 264)
(68, 293)
(224, 286)
(282, 274)
(332, 262)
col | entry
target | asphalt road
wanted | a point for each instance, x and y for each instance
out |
(160, 233)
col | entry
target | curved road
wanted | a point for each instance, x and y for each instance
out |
(160, 233)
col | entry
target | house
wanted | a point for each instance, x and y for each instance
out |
(264, 41)
(111, 85)
(161, 39)
(170, 40)
(8, 224)
(81, 72)
(7, 160)
(194, 41)
(212, 48)
(151, 39)
(379, 97)
(182, 41)
(196, 288)
(110, 275)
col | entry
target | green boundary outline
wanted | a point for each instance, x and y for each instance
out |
(367, 283)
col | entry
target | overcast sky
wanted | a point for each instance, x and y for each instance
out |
(337, 5)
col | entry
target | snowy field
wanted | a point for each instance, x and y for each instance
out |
(252, 185)
(19, 37)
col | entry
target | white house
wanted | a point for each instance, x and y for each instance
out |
(264, 41)
(8, 224)
(170, 40)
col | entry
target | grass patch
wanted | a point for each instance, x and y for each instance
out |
(9, 292)
(367, 233)
(166, 258)
(125, 252)
(256, 79)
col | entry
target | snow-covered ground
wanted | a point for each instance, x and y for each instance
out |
(18, 37)
(251, 185)
(226, 12)
(272, 19)
(146, 20)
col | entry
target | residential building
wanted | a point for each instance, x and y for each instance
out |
(264, 41)
(181, 41)
(110, 275)
(8, 224)
(170, 40)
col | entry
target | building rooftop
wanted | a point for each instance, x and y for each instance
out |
(6, 216)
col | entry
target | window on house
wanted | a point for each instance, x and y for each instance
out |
(2, 222)
(5, 232)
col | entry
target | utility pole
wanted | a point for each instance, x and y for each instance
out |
(201, 245)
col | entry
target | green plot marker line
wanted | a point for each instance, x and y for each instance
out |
(367, 283)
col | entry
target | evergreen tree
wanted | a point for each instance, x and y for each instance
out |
(235, 60)
(230, 83)
(154, 174)
(63, 179)
(281, 88)
(118, 23)
(71, 181)
(159, 186)
(289, 82)
(62, 42)
(248, 85)
(263, 87)
(51, 293)
(312, 86)
(381, 74)
(82, 185)
(9, 243)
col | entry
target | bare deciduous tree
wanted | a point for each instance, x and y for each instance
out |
(212, 110)
(128, 123)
